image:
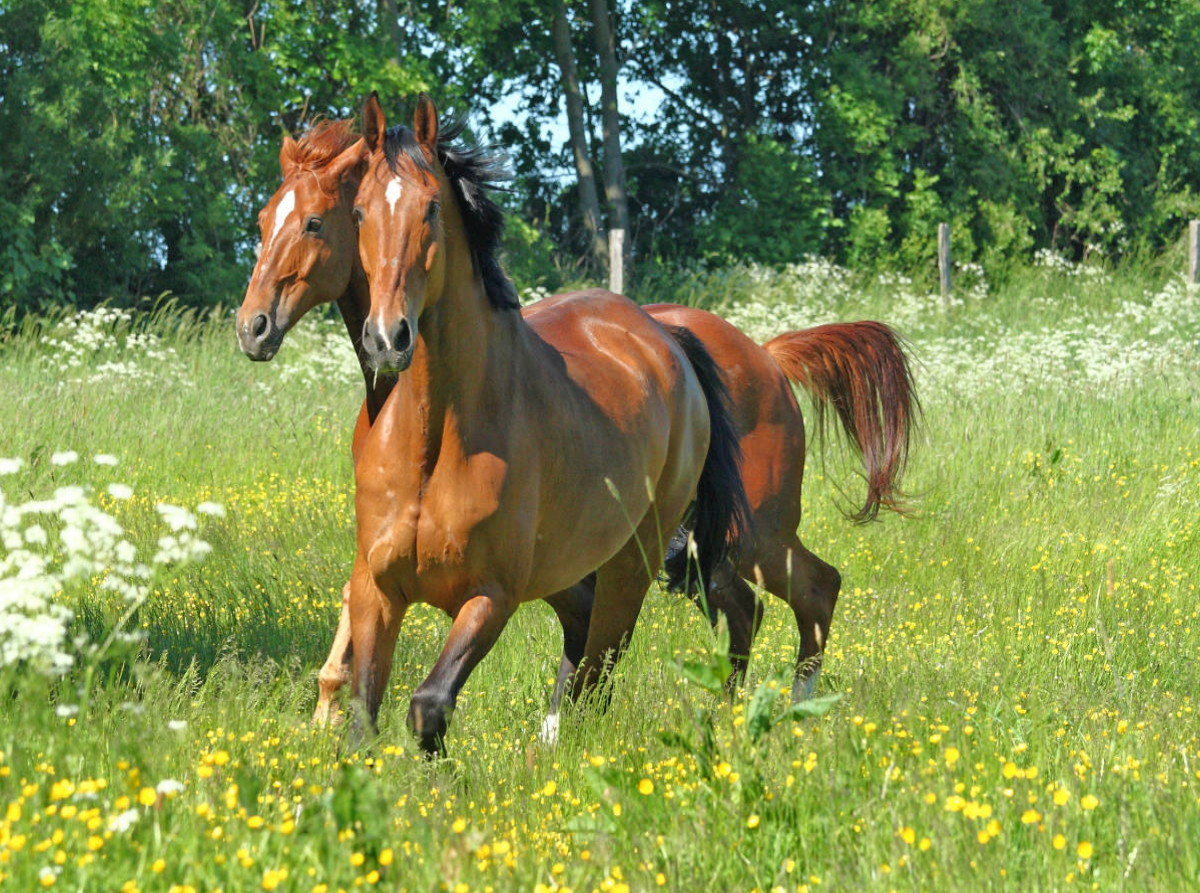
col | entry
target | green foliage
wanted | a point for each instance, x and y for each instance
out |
(774, 212)
(142, 135)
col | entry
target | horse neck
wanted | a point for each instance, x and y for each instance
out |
(462, 371)
(355, 304)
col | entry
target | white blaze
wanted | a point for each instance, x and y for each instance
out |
(285, 207)
(393, 194)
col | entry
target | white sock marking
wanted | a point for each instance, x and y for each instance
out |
(549, 733)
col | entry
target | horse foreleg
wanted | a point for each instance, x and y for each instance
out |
(476, 627)
(337, 669)
(375, 620)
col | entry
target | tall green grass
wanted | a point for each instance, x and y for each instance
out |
(1022, 643)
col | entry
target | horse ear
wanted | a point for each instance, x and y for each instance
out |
(374, 125)
(287, 156)
(425, 124)
(349, 159)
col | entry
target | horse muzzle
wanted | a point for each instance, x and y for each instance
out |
(389, 348)
(259, 337)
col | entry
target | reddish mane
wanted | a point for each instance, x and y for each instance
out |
(324, 141)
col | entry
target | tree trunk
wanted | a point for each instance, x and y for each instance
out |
(614, 168)
(588, 197)
(392, 36)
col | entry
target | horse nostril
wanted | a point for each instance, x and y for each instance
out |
(259, 326)
(372, 340)
(402, 340)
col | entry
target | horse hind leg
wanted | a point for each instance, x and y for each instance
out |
(621, 586)
(337, 669)
(810, 586)
(727, 594)
(574, 609)
(732, 596)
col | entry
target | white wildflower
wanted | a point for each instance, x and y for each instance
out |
(66, 457)
(104, 459)
(169, 787)
(120, 491)
(10, 466)
(122, 822)
(176, 517)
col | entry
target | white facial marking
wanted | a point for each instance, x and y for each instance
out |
(382, 330)
(285, 207)
(393, 194)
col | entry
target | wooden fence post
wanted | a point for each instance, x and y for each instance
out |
(1193, 276)
(616, 261)
(944, 262)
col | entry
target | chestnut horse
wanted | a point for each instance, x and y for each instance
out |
(513, 457)
(858, 367)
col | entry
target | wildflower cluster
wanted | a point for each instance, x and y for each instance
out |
(52, 544)
(102, 345)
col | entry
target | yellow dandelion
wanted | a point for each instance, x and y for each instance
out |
(908, 835)
(1059, 842)
(1062, 797)
(386, 856)
(645, 787)
(1084, 850)
(925, 844)
(147, 796)
(951, 755)
(1089, 801)
(752, 822)
(1030, 817)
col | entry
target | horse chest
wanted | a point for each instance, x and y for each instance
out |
(434, 541)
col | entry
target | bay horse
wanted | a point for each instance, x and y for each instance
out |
(858, 368)
(514, 455)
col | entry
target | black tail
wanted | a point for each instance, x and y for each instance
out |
(720, 516)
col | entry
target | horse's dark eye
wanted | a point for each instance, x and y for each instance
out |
(313, 224)
(431, 214)
(357, 214)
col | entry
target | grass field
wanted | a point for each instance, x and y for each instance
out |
(1016, 661)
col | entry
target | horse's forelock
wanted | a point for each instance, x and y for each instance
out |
(323, 142)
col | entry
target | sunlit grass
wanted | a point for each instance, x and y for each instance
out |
(1012, 716)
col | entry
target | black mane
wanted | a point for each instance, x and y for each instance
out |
(472, 171)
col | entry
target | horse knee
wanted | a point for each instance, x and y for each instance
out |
(429, 715)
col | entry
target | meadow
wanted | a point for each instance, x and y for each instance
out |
(1011, 680)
